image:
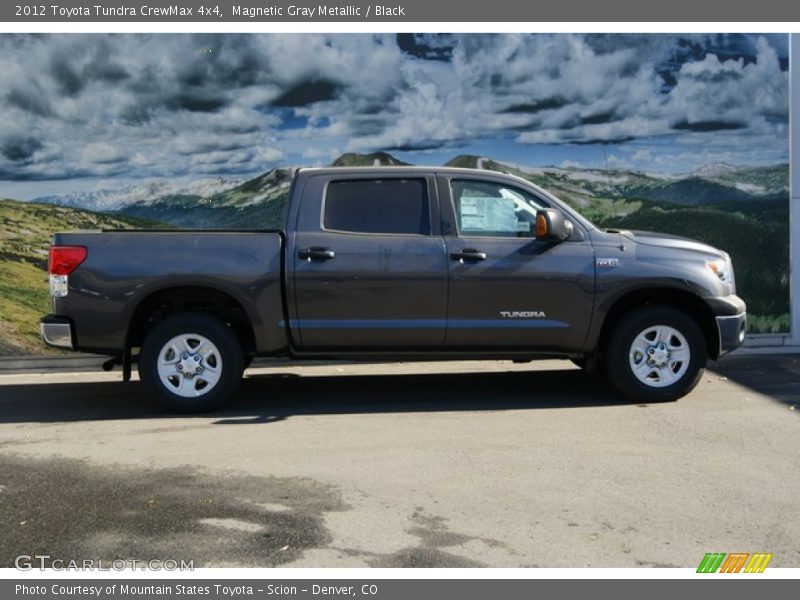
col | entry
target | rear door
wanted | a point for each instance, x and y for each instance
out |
(508, 290)
(369, 270)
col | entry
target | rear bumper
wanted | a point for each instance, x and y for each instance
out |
(731, 332)
(57, 332)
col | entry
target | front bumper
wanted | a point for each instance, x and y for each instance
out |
(730, 313)
(57, 332)
(731, 332)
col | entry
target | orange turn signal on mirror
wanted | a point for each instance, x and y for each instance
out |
(541, 226)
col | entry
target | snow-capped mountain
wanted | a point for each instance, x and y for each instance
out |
(107, 200)
(709, 184)
(714, 170)
(258, 202)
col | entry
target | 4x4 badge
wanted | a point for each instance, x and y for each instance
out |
(607, 263)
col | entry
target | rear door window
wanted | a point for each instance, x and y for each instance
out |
(387, 205)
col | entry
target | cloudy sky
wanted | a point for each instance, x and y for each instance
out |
(84, 111)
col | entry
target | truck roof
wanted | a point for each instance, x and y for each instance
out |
(409, 168)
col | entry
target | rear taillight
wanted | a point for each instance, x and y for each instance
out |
(65, 259)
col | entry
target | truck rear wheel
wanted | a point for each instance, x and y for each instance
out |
(656, 354)
(191, 363)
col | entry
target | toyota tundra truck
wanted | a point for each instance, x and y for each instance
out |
(396, 263)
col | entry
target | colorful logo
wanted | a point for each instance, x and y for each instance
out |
(736, 562)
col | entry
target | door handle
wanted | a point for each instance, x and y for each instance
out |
(316, 253)
(468, 254)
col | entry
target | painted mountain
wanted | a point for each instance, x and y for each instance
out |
(707, 185)
(105, 200)
(257, 203)
(374, 159)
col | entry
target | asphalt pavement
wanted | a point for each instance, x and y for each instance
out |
(405, 465)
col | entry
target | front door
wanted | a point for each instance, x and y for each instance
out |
(371, 274)
(508, 290)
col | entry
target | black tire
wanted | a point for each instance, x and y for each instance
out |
(667, 379)
(225, 364)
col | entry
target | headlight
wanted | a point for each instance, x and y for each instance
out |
(722, 269)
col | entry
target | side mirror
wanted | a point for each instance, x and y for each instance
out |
(552, 226)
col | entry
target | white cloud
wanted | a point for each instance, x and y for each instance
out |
(572, 164)
(182, 105)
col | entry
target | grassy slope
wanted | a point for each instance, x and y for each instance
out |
(25, 231)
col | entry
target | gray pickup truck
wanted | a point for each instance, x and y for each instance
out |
(396, 263)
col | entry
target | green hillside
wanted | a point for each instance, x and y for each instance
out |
(756, 237)
(255, 204)
(192, 212)
(692, 190)
(772, 178)
(258, 203)
(25, 231)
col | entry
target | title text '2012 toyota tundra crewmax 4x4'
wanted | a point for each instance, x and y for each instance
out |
(397, 263)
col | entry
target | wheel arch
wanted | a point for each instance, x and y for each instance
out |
(164, 302)
(682, 300)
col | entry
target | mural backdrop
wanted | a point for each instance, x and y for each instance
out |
(679, 133)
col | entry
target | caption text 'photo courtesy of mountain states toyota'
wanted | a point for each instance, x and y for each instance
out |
(396, 263)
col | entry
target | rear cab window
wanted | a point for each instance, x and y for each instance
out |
(377, 205)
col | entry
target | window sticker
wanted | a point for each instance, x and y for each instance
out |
(482, 213)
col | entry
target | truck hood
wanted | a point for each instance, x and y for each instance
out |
(664, 240)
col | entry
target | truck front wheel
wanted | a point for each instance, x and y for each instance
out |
(656, 354)
(191, 363)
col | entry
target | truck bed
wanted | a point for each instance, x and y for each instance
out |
(124, 268)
